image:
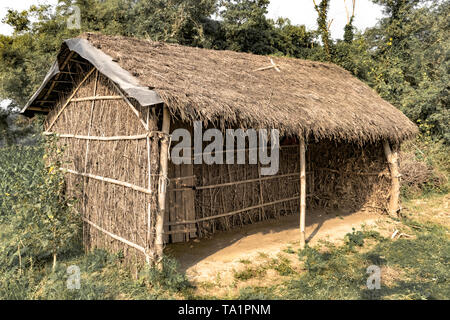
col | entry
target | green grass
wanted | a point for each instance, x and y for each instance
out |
(411, 268)
(102, 278)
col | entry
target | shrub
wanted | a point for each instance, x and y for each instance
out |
(42, 221)
(166, 276)
(425, 166)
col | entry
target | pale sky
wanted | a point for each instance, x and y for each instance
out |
(298, 11)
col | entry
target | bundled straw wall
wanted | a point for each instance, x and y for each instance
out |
(118, 209)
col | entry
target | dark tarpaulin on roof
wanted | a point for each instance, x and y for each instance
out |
(106, 66)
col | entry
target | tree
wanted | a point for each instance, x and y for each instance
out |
(246, 27)
(294, 40)
(324, 26)
(181, 21)
(410, 51)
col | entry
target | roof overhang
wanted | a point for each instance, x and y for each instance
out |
(105, 65)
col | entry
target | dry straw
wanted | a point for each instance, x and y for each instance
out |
(318, 99)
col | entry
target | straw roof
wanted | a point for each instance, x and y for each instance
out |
(316, 99)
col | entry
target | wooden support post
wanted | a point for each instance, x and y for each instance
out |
(163, 178)
(392, 159)
(149, 205)
(302, 192)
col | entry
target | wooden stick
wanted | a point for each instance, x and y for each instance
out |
(70, 97)
(302, 192)
(90, 123)
(96, 98)
(113, 138)
(392, 158)
(164, 164)
(261, 198)
(108, 180)
(42, 109)
(233, 212)
(274, 65)
(149, 187)
(246, 181)
(112, 235)
(52, 86)
(85, 180)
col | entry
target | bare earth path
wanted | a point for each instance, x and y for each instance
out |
(219, 257)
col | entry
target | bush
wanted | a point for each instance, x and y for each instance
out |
(425, 166)
(42, 222)
(166, 276)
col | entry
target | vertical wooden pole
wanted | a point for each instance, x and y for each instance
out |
(163, 173)
(262, 214)
(149, 205)
(86, 157)
(302, 192)
(392, 159)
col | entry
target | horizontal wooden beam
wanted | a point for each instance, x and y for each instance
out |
(232, 212)
(96, 98)
(112, 138)
(79, 61)
(42, 109)
(247, 181)
(108, 180)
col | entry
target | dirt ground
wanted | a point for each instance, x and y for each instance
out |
(207, 260)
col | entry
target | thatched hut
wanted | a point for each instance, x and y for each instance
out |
(114, 102)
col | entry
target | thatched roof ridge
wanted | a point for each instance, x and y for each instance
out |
(316, 99)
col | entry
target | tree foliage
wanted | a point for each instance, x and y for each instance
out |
(404, 57)
(410, 50)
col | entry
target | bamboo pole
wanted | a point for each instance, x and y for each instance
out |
(108, 180)
(96, 98)
(71, 96)
(212, 186)
(112, 235)
(302, 192)
(164, 164)
(392, 159)
(233, 212)
(91, 116)
(262, 213)
(149, 205)
(112, 138)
